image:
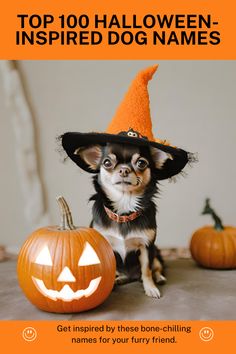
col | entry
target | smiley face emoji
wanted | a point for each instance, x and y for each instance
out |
(206, 334)
(29, 334)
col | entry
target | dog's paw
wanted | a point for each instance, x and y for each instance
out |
(151, 290)
(121, 279)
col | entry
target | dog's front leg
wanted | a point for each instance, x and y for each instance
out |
(146, 274)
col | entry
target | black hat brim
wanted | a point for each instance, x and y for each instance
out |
(74, 140)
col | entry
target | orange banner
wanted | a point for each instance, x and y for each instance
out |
(132, 29)
(206, 337)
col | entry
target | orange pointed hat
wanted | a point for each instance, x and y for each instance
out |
(134, 111)
(131, 124)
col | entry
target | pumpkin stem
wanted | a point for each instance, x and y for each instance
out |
(66, 217)
(208, 210)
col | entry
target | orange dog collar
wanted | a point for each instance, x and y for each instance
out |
(122, 218)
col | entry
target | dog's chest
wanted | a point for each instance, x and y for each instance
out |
(131, 242)
(123, 202)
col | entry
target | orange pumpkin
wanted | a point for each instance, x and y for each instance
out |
(66, 268)
(214, 247)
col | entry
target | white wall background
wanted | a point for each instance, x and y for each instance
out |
(193, 104)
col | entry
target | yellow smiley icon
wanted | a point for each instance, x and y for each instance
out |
(206, 334)
(29, 334)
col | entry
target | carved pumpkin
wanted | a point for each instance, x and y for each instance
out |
(66, 268)
(214, 247)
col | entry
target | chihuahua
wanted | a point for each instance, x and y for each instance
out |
(124, 211)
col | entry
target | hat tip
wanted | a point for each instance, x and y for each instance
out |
(148, 73)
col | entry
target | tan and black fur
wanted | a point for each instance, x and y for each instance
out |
(126, 182)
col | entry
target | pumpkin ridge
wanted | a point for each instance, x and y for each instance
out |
(209, 250)
(197, 246)
(54, 258)
(61, 267)
(233, 245)
(223, 253)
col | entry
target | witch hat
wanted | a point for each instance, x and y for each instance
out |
(131, 124)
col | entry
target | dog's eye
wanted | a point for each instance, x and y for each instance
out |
(107, 163)
(142, 164)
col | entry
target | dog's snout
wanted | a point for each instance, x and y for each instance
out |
(124, 171)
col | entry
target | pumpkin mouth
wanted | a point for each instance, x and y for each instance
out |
(66, 293)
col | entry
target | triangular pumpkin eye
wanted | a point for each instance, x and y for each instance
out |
(44, 257)
(89, 256)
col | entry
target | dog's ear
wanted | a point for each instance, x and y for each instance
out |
(159, 157)
(91, 155)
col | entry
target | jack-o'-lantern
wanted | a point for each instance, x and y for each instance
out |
(66, 268)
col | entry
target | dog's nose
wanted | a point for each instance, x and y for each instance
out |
(124, 171)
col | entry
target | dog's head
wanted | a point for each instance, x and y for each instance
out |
(124, 168)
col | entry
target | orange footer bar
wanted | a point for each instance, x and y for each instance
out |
(209, 337)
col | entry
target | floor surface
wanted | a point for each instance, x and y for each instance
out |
(191, 293)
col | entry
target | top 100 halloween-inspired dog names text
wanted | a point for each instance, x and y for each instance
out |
(154, 29)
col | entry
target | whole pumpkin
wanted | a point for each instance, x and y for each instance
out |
(66, 268)
(214, 246)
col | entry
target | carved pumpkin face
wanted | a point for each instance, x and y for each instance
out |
(88, 257)
(66, 270)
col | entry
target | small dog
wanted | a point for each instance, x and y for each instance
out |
(124, 211)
